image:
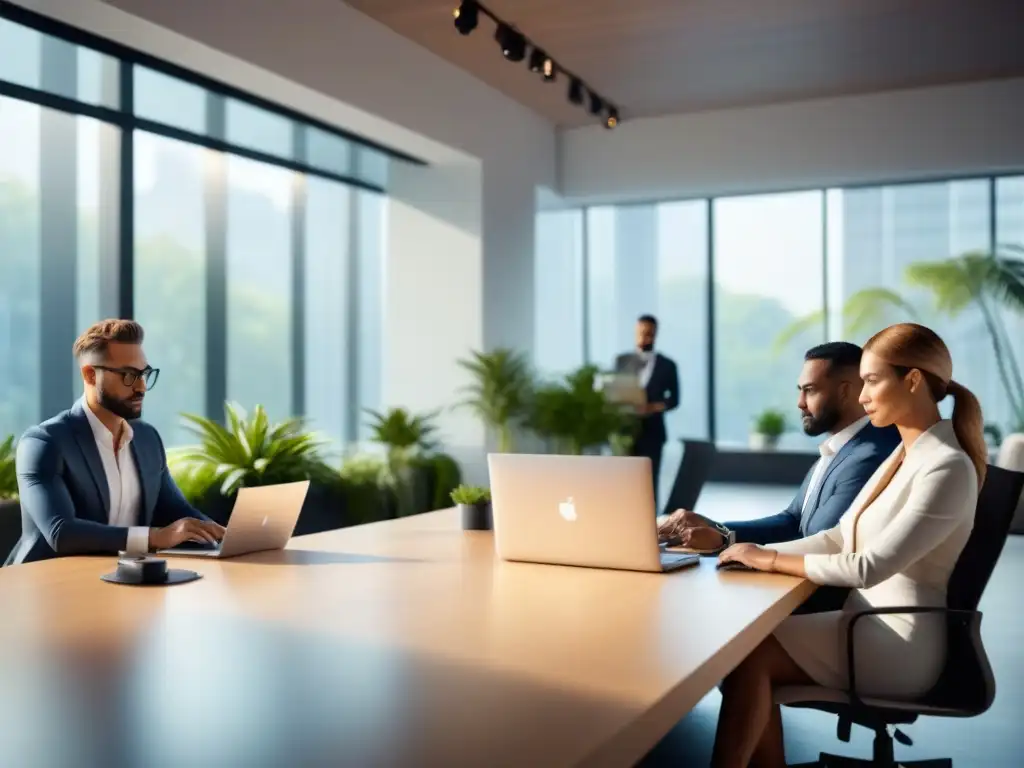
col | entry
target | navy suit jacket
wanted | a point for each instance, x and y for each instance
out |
(850, 469)
(65, 496)
(663, 387)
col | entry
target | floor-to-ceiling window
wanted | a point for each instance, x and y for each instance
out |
(791, 271)
(259, 286)
(769, 273)
(878, 234)
(57, 222)
(1009, 236)
(369, 285)
(248, 240)
(170, 276)
(653, 259)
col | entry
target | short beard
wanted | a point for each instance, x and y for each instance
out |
(826, 421)
(117, 407)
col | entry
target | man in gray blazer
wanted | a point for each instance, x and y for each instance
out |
(829, 390)
(94, 479)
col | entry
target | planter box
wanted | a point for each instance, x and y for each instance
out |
(10, 526)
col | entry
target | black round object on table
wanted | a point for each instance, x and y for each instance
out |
(148, 572)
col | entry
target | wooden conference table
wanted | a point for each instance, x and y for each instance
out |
(403, 643)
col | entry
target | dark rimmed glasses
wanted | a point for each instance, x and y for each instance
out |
(130, 375)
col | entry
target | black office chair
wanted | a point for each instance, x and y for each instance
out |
(694, 471)
(967, 686)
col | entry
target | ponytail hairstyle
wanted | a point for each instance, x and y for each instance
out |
(908, 345)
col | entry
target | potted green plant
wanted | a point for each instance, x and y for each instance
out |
(406, 437)
(474, 505)
(769, 426)
(10, 508)
(365, 482)
(574, 416)
(500, 391)
(247, 450)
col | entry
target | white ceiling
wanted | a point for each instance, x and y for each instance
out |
(655, 57)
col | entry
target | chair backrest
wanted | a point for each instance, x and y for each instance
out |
(694, 471)
(997, 503)
(967, 683)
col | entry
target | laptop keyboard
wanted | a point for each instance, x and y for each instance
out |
(670, 560)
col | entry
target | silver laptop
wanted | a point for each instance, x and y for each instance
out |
(595, 511)
(263, 518)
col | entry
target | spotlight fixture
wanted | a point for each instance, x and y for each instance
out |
(541, 62)
(466, 16)
(515, 46)
(548, 70)
(512, 42)
(576, 91)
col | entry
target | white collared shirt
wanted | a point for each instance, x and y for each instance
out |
(123, 484)
(828, 449)
(647, 370)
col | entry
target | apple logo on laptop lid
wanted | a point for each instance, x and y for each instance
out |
(567, 509)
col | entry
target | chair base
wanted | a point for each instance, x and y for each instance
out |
(838, 761)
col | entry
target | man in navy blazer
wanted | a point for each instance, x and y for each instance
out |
(94, 479)
(829, 388)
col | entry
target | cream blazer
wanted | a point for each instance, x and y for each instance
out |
(909, 538)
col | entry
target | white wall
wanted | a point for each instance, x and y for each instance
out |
(933, 132)
(460, 232)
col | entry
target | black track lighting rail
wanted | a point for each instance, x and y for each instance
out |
(517, 47)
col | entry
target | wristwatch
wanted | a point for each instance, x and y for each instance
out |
(728, 537)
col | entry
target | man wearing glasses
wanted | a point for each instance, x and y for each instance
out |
(94, 479)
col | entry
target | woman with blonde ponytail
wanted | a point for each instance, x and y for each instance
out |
(897, 545)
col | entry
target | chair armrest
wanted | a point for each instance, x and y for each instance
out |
(855, 700)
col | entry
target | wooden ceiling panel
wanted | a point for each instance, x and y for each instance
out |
(655, 57)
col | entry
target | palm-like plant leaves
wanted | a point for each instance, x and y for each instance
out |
(8, 475)
(988, 281)
(500, 391)
(398, 429)
(248, 451)
(864, 310)
(956, 283)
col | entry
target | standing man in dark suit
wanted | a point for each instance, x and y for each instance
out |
(94, 479)
(659, 378)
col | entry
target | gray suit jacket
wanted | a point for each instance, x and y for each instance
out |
(64, 492)
(849, 470)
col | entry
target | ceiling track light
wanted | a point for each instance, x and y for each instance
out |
(576, 91)
(511, 41)
(467, 16)
(514, 46)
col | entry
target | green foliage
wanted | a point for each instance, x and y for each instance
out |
(401, 432)
(365, 484)
(770, 423)
(248, 451)
(471, 495)
(499, 394)
(575, 415)
(990, 282)
(865, 310)
(444, 476)
(8, 476)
